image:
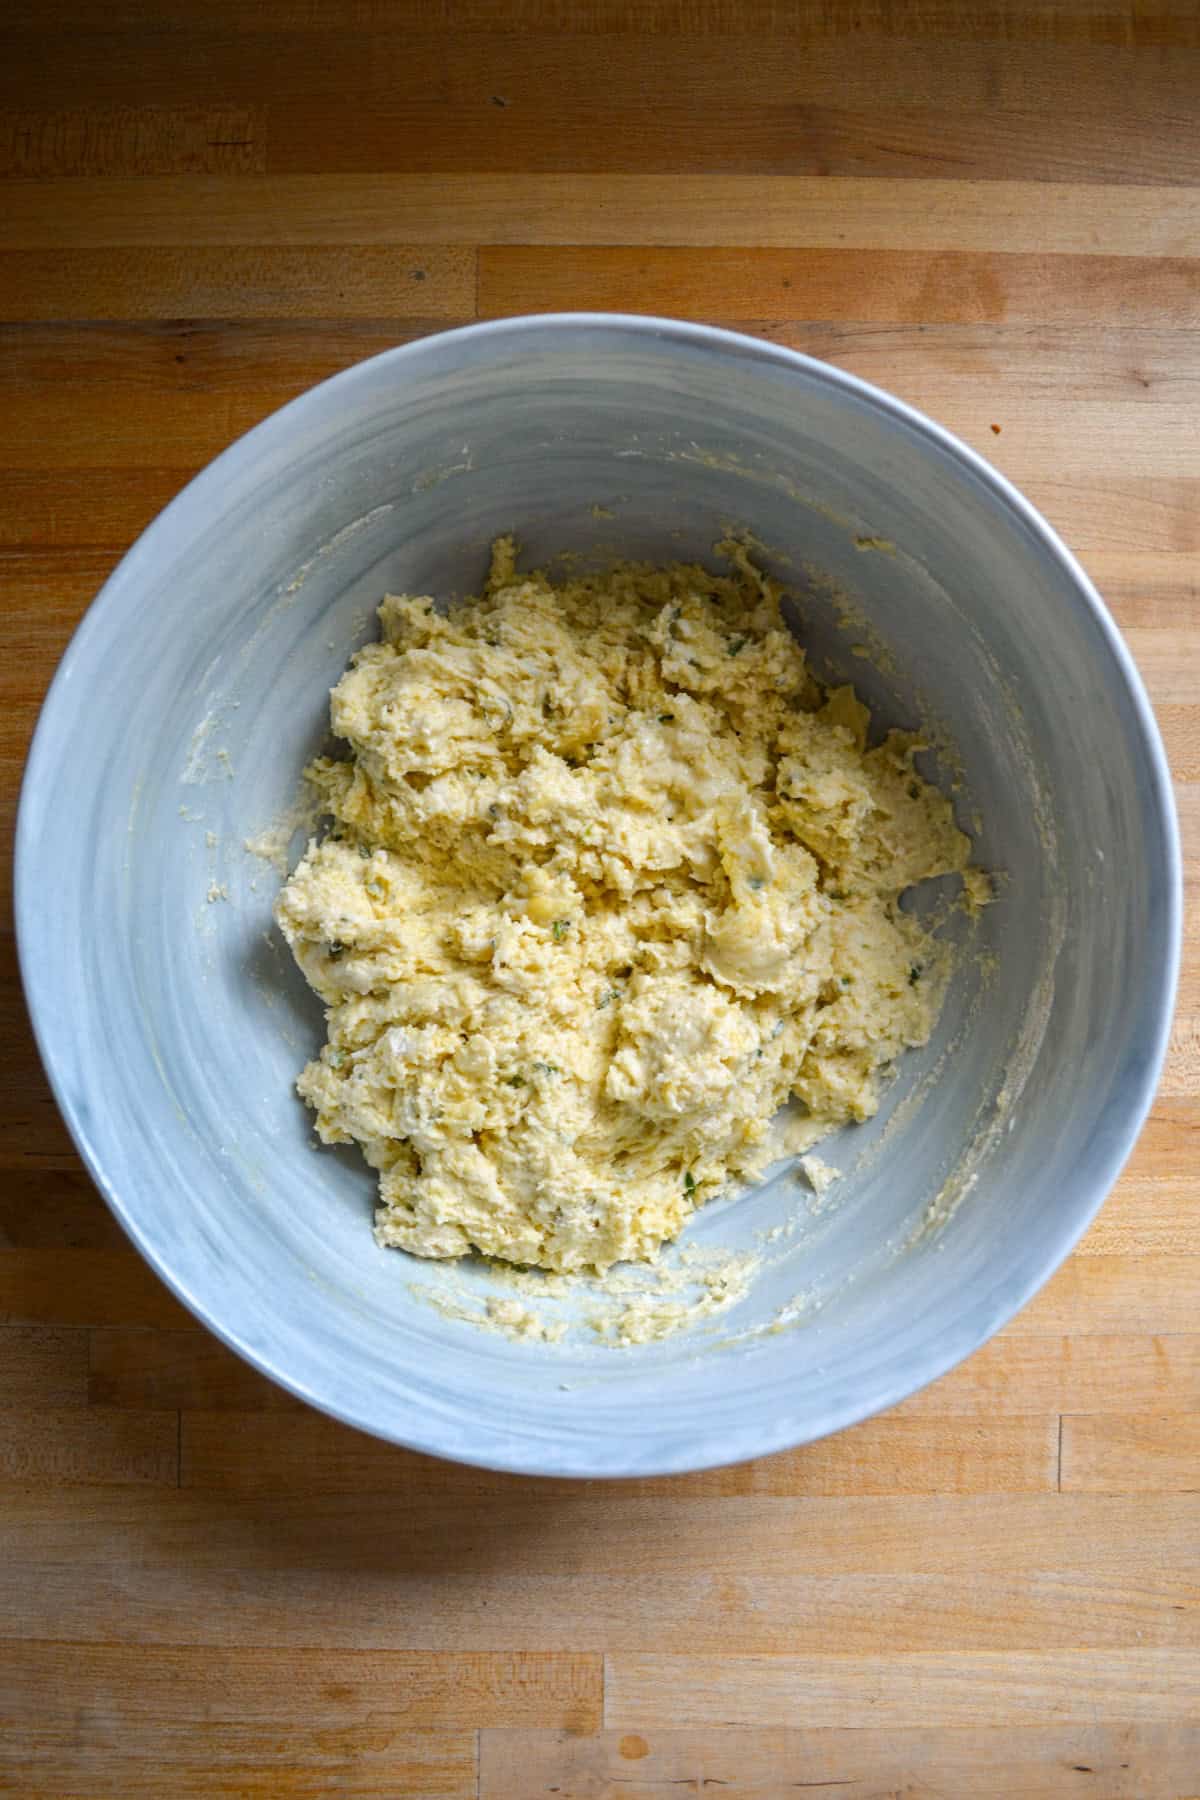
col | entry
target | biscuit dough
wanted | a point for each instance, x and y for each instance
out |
(609, 878)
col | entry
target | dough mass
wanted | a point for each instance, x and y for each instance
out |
(609, 878)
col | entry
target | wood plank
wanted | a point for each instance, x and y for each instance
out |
(754, 211)
(98, 1445)
(39, 619)
(1102, 513)
(1180, 727)
(250, 1454)
(148, 1566)
(1039, 438)
(94, 509)
(1103, 1453)
(1147, 587)
(1077, 22)
(987, 1762)
(530, 100)
(84, 1287)
(143, 1367)
(455, 1529)
(48, 592)
(233, 1706)
(1181, 1073)
(879, 286)
(284, 1765)
(646, 1693)
(1170, 1138)
(1147, 1218)
(239, 282)
(277, 357)
(1021, 1376)
(42, 1365)
(55, 1209)
(411, 132)
(184, 428)
(1171, 682)
(1114, 1295)
(685, 1612)
(127, 140)
(872, 106)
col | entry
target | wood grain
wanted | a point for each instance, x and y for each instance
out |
(244, 281)
(83, 1287)
(529, 101)
(1033, 218)
(226, 1716)
(131, 140)
(872, 287)
(1120, 1454)
(1115, 1295)
(101, 1447)
(1165, 22)
(42, 1366)
(142, 1366)
(1122, 1762)
(926, 1688)
(991, 207)
(460, 1526)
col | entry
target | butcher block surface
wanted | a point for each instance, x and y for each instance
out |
(205, 1588)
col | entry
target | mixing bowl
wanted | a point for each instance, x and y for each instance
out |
(173, 1025)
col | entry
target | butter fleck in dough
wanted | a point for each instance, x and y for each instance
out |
(609, 878)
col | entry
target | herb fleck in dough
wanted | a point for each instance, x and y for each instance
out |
(609, 878)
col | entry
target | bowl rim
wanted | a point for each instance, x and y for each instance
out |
(752, 1439)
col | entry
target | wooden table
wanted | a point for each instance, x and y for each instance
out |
(206, 1589)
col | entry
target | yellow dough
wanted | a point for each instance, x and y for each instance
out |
(609, 878)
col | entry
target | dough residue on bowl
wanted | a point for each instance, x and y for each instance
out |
(609, 879)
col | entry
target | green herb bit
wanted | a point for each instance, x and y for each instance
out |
(666, 718)
(914, 974)
(608, 998)
(914, 790)
(516, 1080)
(336, 1058)
(546, 1068)
(336, 950)
(559, 929)
(847, 981)
(689, 1183)
(757, 882)
(736, 644)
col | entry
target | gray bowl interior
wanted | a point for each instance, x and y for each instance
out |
(174, 1024)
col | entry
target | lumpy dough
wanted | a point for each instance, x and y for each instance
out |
(609, 878)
